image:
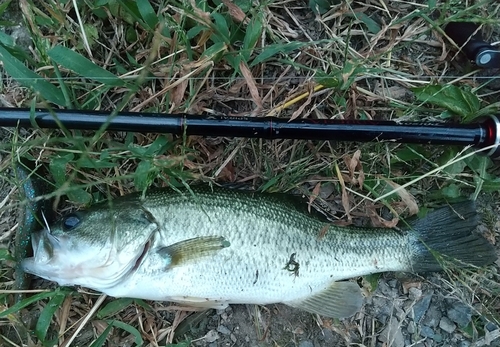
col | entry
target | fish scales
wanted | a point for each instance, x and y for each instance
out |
(264, 234)
(213, 247)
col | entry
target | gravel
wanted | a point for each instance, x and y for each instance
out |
(460, 314)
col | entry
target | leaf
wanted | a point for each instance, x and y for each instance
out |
(18, 71)
(252, 35)
(114, 307)
(142, 174)
(83, 66)
(3, 6)
(213, 52)
(57, 167)
(45, 318)
(370, 282)
(101, 340)
(93, 163)
(147, 13)
(157, 147)
(448, 155)
(406, 197)
(221, 26)
(79, 196)
(480, 165)
(322, 6)
(452, 191)
(130, 329)
(371, 25)
(26, 302)
(271, 50)
(461, 102)
(5, 255)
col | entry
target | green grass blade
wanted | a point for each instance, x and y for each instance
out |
(272, 50)
(101, 340)
(4, 6)
(130, 329)
(114, 307)
(26, 302)
(83, 66)
(252, 35)
(43, 323)
(18, 71)
(147, 13)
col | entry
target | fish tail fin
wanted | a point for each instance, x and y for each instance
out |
(445, 236)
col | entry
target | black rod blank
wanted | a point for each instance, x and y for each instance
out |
(479, 135)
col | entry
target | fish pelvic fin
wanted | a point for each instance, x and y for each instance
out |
(192, 249)
(444, 238)
(339, 300)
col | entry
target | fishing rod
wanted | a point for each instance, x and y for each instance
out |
(484, 134)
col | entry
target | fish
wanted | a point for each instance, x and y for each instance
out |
(210, 247)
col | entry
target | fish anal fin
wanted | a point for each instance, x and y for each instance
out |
(203, 303)
(339, 300)
(192, 249)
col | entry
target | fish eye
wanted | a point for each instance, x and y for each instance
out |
(70, 221)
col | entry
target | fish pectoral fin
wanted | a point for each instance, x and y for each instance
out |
(339, 300)
(192, 249)
(199, 302)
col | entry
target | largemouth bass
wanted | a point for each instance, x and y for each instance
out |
(214, 247)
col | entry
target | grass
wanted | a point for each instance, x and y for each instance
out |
(357, 60)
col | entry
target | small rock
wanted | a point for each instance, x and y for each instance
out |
(414, 293)
(223, 330)
(421, 307)
(447, 325)
(306, 343)
(211, 336)
(386, 290)
(460, 314)
(411, 328)
(464, 343)
(393, 283)
(233, 338)
(490, 326)
(432, 317)
(426, 331)
(392, 334)
(438, 338)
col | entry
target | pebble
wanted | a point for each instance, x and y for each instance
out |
(223, 330)
(421, 307)
(306, 343)
(447, 325)
(432, 317)
(211, 336)
(392, 334)
(411, 328)
(414, 293)
(386, 290)
(426, 331)
(490, 326)
(460, 314)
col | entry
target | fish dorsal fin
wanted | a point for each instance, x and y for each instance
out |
(339, 300)
(192, 249)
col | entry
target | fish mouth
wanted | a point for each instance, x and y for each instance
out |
(42, 243)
